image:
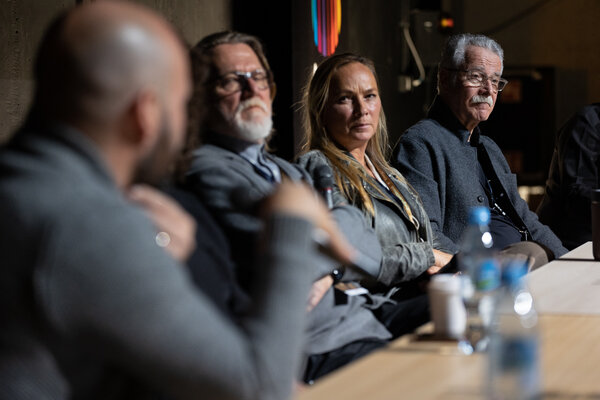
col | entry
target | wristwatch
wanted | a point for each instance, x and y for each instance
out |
(337, 274)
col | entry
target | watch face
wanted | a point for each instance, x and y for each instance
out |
(337, 275)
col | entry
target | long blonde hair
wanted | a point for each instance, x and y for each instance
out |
(348, 172)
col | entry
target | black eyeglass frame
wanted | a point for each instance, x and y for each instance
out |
(263, 81)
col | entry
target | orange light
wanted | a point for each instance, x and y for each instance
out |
(446, 23)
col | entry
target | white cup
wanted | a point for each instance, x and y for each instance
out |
(447, 308)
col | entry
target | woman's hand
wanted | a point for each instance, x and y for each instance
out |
(441, 259)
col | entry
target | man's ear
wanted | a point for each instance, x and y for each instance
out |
(444, 77)
(145, 116)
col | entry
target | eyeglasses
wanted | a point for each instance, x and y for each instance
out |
(236, 81)
(478, 79)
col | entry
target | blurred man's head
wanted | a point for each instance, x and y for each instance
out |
(118, 73)
(470, 77)
(234, 85)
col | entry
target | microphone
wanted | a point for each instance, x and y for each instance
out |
(324, 183)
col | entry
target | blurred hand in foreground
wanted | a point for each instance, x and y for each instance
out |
(300, 200)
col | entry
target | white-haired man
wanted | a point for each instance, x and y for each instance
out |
(455, 168)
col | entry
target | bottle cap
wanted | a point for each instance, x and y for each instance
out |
(479, 216)
(445, 282)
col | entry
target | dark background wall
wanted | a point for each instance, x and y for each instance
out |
(551, 58)
(21, 27)
(22, 24)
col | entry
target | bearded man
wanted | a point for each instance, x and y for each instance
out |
(95, 302)
(232, 172)
(455, 168)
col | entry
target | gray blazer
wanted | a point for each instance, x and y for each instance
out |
(230, 188)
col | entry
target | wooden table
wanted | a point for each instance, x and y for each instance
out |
(569, 285)
(419, 369)
(567, 295)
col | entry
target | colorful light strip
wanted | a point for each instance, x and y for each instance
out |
(326, 24)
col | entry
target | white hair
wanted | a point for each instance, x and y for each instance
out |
(454, 51)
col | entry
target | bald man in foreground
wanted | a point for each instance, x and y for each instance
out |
(93, 303)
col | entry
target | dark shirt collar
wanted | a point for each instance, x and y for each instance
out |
(441, 113)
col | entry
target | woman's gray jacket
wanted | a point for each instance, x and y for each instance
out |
(407, 250)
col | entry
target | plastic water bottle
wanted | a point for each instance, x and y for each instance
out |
(480, 279)
(514, 346)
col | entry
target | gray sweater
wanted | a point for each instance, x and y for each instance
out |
(90, 307)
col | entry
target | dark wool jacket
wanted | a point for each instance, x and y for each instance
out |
(573, 175)
(437, 159)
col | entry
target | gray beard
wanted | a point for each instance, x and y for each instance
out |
(252, 131)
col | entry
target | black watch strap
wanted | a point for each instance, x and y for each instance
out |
(337, 274)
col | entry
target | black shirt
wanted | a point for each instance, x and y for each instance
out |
(504, 231)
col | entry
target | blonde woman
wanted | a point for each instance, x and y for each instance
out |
(346, 131)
